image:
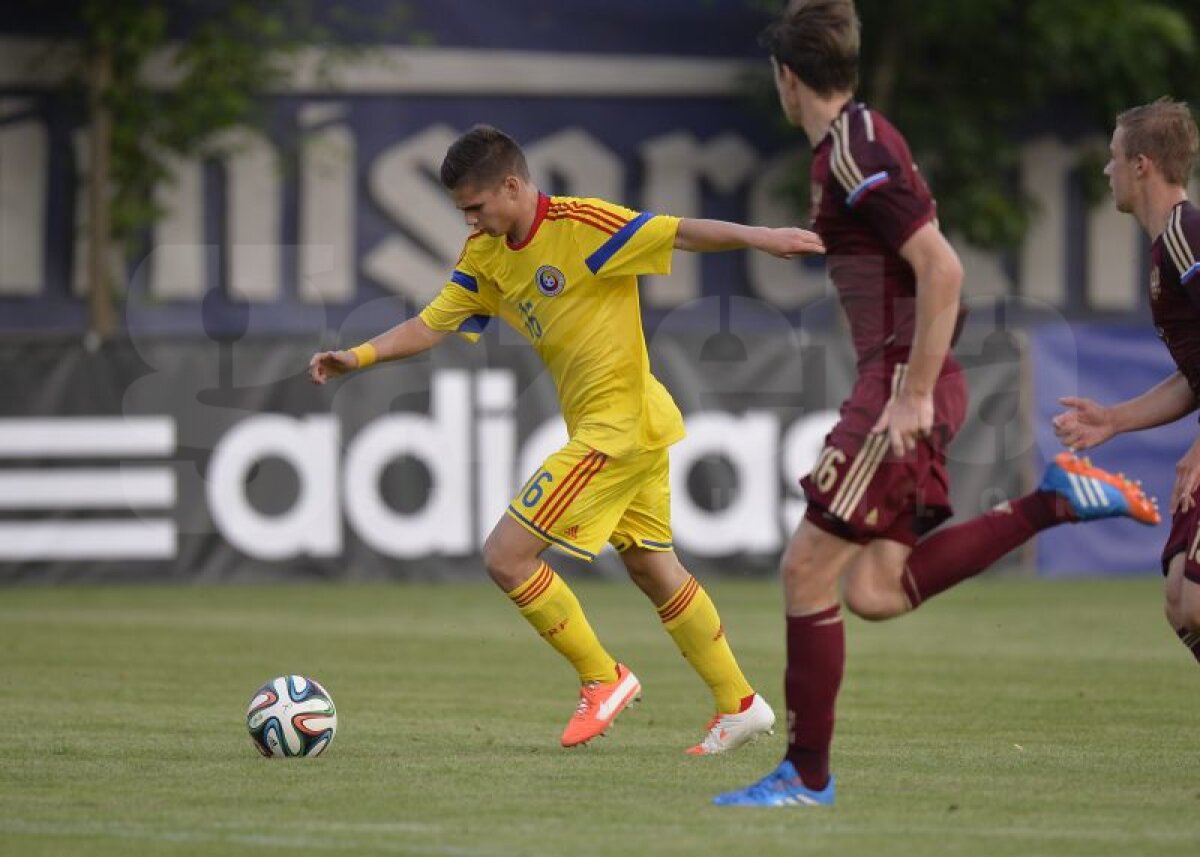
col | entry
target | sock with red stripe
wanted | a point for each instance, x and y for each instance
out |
(1191, 641)
(550, 606)
(816, 658)
(951, 555)
(690, 617)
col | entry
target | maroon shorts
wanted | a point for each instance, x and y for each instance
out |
(1185, 536)
(859, 490)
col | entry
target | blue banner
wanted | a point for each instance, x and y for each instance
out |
(1109, 364)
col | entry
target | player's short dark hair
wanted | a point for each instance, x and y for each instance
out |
(483, 156)
(819, 41)
(1165, 132)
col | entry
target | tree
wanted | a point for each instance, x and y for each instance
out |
(965, 81)
(219, 56)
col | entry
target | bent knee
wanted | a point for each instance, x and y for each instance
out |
(1186, 619)
(503, 566)
(1173, 612)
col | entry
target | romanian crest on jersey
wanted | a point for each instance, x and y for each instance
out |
(550, 281)
(1155, 284)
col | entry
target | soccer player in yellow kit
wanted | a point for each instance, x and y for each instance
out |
(563, 272)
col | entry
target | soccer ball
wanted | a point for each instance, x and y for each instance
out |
(291, 716)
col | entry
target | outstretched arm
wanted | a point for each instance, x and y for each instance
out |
(1087, 423)
(404, 340)
(707, 236)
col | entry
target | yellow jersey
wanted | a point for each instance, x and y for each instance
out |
(570, 288)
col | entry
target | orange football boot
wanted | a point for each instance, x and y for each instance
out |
(1094, 493)
(599, 705)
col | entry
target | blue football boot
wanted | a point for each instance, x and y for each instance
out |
(781, 787)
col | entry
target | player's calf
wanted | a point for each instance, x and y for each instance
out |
(873, 591)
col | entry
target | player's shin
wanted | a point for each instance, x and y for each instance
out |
(691, 619)
(550, 606)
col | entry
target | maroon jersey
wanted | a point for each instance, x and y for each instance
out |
(1175, 289)
(868, 199)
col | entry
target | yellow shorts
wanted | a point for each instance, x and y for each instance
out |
(580, 498)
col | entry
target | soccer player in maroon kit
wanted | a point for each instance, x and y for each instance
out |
(880, 484)
(1152, 152)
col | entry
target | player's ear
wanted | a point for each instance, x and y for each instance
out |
(511, 186)
(784, 75)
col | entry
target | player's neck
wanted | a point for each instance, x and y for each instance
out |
(523, 225)
(1155, 207)
(818, 112)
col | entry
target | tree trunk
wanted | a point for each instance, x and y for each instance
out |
(102, 321)
(887, 67)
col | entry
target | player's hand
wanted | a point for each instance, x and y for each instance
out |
(906, 418)
(1084, 425)
(790, 241)
(1187, 480)
(330, 364)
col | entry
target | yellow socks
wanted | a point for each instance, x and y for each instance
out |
(692, 621)
(550, 606)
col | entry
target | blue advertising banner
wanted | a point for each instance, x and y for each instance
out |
(1109, 364)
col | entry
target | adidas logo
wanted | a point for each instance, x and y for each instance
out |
(872, 518)
(571, 531)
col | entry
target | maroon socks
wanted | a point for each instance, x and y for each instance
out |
(816, 657)
(953, 554)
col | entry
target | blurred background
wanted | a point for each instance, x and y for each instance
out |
(196, 196)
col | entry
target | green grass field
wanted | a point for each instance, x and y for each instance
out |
(1008, 718)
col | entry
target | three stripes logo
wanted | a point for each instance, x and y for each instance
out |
(56, 503)
(1090, 492)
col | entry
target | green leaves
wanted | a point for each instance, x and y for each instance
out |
(182, 73)
(967, 82)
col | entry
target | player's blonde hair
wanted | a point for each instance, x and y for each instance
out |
(819, 41)
(483, 157)
(1165, 132)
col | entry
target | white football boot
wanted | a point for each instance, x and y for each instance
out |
(730, 731)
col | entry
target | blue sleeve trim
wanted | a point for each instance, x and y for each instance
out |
(474, 324)
(1187, 275)
(465, 280)
(867, 183)
(619, 239)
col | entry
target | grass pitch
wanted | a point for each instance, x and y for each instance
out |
(1007, 718)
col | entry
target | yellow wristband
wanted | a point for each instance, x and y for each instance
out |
(365, 353)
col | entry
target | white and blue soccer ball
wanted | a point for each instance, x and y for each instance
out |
(291, 716)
